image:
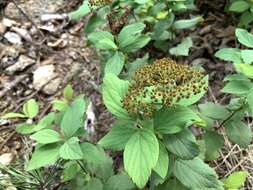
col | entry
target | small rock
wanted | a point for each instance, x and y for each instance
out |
(8, 22)
(6, 158)
(52, 87)
(2, 28)
(11, 11)
(13, 38)
(20, 65)
(42, 76)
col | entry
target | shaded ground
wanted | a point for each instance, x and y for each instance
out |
(61, 45)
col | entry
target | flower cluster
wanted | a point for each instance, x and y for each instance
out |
(163, 83)
(100, 2)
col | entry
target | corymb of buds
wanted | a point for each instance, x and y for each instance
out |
(100, 2)
(161, 84)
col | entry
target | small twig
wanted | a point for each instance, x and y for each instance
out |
(7, 139)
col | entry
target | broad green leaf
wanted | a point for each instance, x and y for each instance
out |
(114, 89)
(60, 105)
(102, 170)
(45, 122)
(83, 10)
(137, 44)
(138, 160)
(239, 6)
(237, 87)
(94, 184)
(102, 40)
(46, 136)
(245, 69)
(115, 64)
(71, 150)
(247, 56)
(239, 133)
(118, 136)
(128, 33)
(235, 180)
(244, 37)
(74, 117)
(70, 170)
(183, 48)
(194, 98)
(182, 144)
(213, 110)
(195, 174)
(187, 23)
(91, 153)
(174, 119)
(162, 164)
(44, 156)
(246, 19)
(229, 54)
(68, 92)
(93, 23)
(213, 143)
(31, 108)
(119, 182)
(235, 77)
(26, 128)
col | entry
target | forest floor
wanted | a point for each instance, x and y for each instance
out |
(38, 59)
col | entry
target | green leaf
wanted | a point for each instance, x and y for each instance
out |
(128, 34)
(45, 122)
(239, 133)
(91, 153)
(13, 115)
(138, 160)
(213, 143)
(118, 136)
(102, 40)
(244, 37)
(71, 150)
(25, 128)
(172, 184)
(114, 89)
(229, 54)
(235, 180)
(239, 6)
(195, 174)
(182, 144)
(237, 87)
(94, 22)
(44, 156)
(119, 182)
(194, 98)
(187, 23)
(245, 69)
(183, 48)
(68, 92)
(31, 108)
(60, 105)
(46, 136)
(174, 119)
(247, 56)
(162, 164)
(137, 44)
(70, 170)
(74, 117)
(213, 110)
(94, 184)
(83, 10)
(115, 64)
